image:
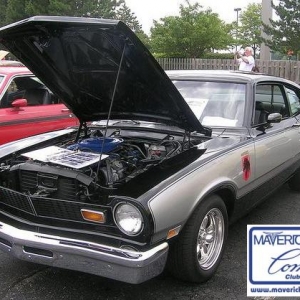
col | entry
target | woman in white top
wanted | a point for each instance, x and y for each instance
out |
(246, 62)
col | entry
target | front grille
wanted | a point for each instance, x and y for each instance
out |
(46, 195)
(28, 180)
(45, 207)
(53, 208)
(16, 200)
(60, 187)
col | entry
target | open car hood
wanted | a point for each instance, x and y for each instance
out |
(99, 68)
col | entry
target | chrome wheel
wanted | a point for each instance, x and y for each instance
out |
(210, 238)
(197, 253)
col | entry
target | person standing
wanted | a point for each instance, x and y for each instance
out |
(246, 62)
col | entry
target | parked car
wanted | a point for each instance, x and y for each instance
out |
(145, 185)
(27, 107)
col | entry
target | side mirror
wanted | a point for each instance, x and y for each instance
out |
(274, 118)
(19, 103)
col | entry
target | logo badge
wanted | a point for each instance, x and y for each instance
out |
(273, 260)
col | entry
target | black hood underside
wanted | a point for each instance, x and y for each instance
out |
(99, 68)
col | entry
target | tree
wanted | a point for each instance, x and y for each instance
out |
(101, 9)
(191, 34)
(128, 17)
(284, 30)
(60, 8)
(85, 8)
(249, 33)
(15, 11)
(3, 6)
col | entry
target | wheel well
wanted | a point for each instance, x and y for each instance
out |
(227, 194)
(228, 197)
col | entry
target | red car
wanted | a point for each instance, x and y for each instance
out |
(27, 106)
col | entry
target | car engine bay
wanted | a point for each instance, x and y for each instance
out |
(81, 170)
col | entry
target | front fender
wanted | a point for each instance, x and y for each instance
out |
(173, 206)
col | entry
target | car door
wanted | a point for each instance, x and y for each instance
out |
(40, 112)
(277, 145)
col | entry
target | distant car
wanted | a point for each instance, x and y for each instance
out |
(142, 185)
(27, 107)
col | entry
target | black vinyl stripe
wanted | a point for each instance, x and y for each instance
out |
(34, 120)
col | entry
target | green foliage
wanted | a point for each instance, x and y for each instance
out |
(3, 5)
(94, 8)
(124, 14)
(194, 33)
(101, 9)
(144, 39)
(284, 30)
(36, 7)
(60, 8)
(15, 11)
(191, 34)
(249, 33)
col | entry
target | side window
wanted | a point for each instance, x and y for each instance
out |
(35, 91)
(263, 100)
(12, 93)
(269, 98)
(30, 88)
(294, 101)
(12, 87)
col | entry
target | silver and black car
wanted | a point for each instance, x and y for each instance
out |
(160, 165)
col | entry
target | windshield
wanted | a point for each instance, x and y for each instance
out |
(215, 103)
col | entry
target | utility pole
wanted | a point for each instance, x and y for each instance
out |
(237, 10)
(266, 15)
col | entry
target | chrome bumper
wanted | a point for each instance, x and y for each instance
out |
(79, 255)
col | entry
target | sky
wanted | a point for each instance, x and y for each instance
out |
(148, 10)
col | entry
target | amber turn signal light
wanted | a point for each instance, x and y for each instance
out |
(173, 232)
(93, 216)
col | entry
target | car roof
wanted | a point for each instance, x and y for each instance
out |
(219, 73)
(11, 70)
(225, 75)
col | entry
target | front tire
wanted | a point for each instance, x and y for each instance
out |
(197, 253)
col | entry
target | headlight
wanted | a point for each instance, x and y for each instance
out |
(128, 218)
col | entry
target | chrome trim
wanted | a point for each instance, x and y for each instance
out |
(102, 260)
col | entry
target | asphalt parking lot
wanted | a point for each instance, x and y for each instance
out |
(21, 280)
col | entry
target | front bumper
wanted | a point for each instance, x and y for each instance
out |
(79, 255)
